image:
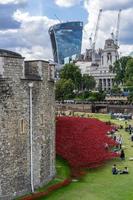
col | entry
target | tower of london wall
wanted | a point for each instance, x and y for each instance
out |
(15, 141)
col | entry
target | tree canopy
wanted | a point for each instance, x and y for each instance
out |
(72, 82)
(64, 89)
(120, 69)
(129, 73)
(88, 82)
(72, 72)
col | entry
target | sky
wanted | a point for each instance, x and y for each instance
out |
(24, 24)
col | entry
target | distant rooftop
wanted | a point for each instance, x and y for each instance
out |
(67, 25)
(8, 53)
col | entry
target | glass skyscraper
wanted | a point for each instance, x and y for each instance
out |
(66, 40)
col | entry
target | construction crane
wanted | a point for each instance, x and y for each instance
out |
(90, 41)
(112, 36)
(118, 27)
(57, 18)
(96, 33)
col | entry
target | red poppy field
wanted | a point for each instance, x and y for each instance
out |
(81, 141)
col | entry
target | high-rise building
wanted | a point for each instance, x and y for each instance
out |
(66, 40)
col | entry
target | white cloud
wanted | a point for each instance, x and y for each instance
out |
(35, 52)
(108, 22)
(108, 5)
(12, 1)
(31, 39)
(125, 49)
(67, 3)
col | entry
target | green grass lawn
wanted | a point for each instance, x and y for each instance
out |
(100, 184)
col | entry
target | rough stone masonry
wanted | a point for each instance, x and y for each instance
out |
(15, 146)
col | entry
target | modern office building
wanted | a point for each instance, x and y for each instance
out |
(66, 40)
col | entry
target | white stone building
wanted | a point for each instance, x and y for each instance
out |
(101, 69)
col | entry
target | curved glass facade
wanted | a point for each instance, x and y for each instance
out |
(66, 40)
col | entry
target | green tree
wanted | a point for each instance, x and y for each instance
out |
(130, 97)
(72, 72)
(96, 96)
(129, 73)
(64, 89)
(116, 90)
(88, 82)
(120, 69)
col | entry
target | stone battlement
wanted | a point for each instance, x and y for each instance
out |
(15, 163)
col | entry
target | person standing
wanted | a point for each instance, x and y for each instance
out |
(120, 141)
(122, 155)
(132, 137)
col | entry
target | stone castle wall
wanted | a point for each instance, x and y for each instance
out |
(14, 126)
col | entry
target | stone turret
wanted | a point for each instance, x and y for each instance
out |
(109, 54)
(15, 146)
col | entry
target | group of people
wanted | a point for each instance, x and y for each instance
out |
(119, 140)
(116, 137)
(116, 171)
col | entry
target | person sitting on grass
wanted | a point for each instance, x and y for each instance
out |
(114, 170)
(125, 171)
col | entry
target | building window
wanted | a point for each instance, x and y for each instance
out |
(109, 57)
(22, 126)
(100, 83)
(109, 82)
(102, 60)
(104, 82)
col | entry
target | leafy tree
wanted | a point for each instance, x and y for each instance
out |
(71, 80)
(130, 97)
(120, 69)
(72, 72)
(64, 89)
(129, 73)
(96, 96)
(116, 90)
(88, 82)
